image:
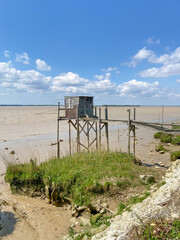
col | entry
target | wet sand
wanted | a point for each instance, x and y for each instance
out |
(29, 131)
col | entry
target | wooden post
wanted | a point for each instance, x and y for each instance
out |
(106, 113)
(118, 138)
(96, 128)
(129, 129)
(162, 115)
(87, 122)
(134, 114)
(69, 138)
(134, 143)
(106, 126)
(95, 111)
(99, 128)
(78, 136)
(58, 135)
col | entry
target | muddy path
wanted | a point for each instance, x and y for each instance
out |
(24, 218)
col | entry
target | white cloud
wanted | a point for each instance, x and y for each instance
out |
(178, 80)
(141, 55)
(42, 65)
(110, 69)
(165, 71)
(71, 83)
(99, 77)
(153, 40)
(136, 88)
(22, 58)
(29, 81)
(7, 53)
(170, 62)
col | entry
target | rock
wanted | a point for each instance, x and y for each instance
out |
(137, 161)
(75, 213)
(85, 237)
(12, 152)
(93, 208)
(103, 211)
(95, 218)
(161, 152)
(147, 179)
(84, 221)
(6, 148)
(163, 203)
(94, 231)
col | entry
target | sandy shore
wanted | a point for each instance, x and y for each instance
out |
(29, 131)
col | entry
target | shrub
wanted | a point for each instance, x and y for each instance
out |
(161, 148)
(175, 156)
(176, 140)
(158, 135)
(167, 138)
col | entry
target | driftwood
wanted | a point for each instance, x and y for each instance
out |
(107, 209)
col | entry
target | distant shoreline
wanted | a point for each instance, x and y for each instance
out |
(104, 105)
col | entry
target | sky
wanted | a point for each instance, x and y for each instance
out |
(119, 51)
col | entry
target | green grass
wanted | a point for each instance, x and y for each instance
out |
(158, 135)
(176, 140)
(78, 177)
(161, 148)
(160, 229)
(132, 200)
(175, 127)
(168, 138)
(175, 156)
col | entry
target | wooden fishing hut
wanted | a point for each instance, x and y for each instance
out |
(78, 107)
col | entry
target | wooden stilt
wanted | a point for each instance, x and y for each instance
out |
(107, 135)
(58, 134)
(129, 128)
(69, 138)
(87, 134)
(78, 135)
(96, 132)
(95, 111)
(118, 139)
(99, 128)
(134, 114)
(134, 141)
(106, 127)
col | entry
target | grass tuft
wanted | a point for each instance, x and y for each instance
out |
(78, 177)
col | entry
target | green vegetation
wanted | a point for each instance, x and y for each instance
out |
(168, 138)
(158, 135)
(176, 140)
(161, 148)
(78, 177)
(175, 156)
(132, 200)
(160, 229)
(175, 127)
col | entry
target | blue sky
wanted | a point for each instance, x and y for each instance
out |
(120, 52)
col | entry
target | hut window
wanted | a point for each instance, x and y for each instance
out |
(70, 103)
